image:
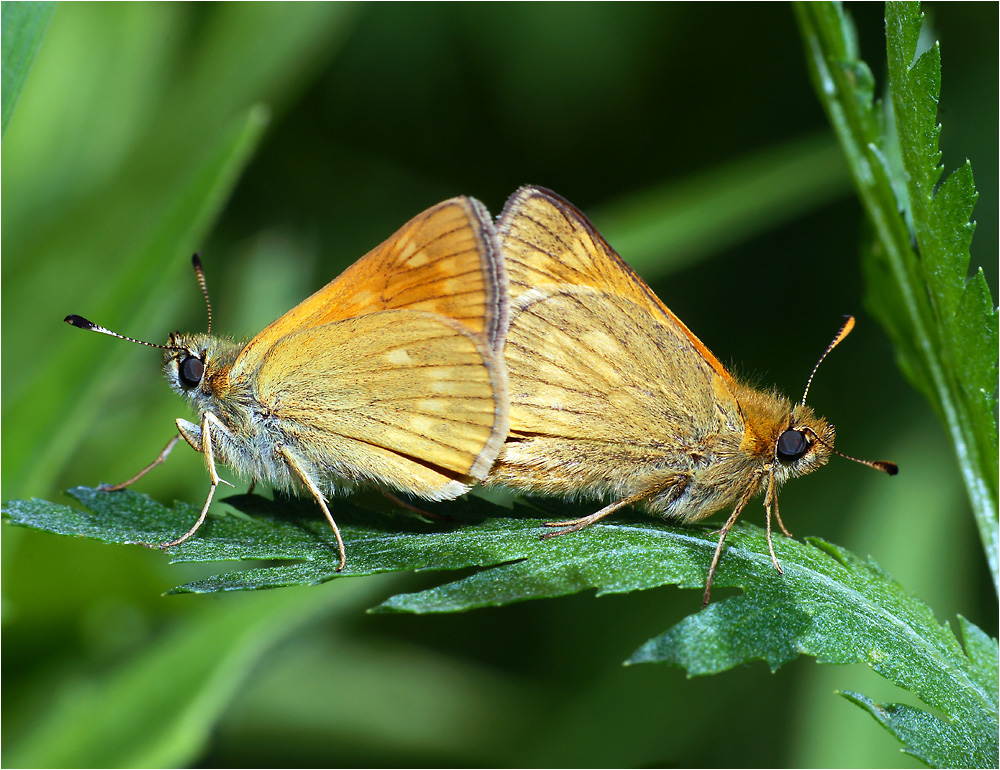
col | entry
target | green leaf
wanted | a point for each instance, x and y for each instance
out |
(964, 320)
(290, 530)
(852, 612)
(828, 603)
(24, 26)
(982, 653)
(916, 256)
(932, 740)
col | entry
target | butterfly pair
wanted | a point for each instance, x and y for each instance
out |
(525, 354)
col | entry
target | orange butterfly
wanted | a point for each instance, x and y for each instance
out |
(390, 375)
(611, 395)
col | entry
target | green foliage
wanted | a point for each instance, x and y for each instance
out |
(944, 327)
(916, 260)
(828, 604)
(949, 743)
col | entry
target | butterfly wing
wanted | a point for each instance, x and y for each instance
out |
(445, 260)
(609, 391)
(598, 367)
(393, 371)
(404, 398)
(547, 240)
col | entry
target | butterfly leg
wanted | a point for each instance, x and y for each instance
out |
(203, 443)
(159, 459)
(575, 525)
(777, 515)
(772, 498)
(718, 552)
(305, 478)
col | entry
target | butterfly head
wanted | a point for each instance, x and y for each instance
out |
(197, 367)
(803, 444)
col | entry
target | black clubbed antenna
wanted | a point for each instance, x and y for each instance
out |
(82, 323)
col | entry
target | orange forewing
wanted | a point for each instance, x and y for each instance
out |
(442, 261)
(547, 240)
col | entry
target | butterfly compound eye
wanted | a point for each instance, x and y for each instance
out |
(191, 371)
(792, 444)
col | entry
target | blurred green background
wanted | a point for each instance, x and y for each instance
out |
(691, 136)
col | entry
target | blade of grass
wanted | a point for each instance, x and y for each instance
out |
(670, 227)
(24, 26)
(51, 430)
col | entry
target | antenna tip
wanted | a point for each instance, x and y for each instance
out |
(884, 465)
(79, 322)
(196, 260)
